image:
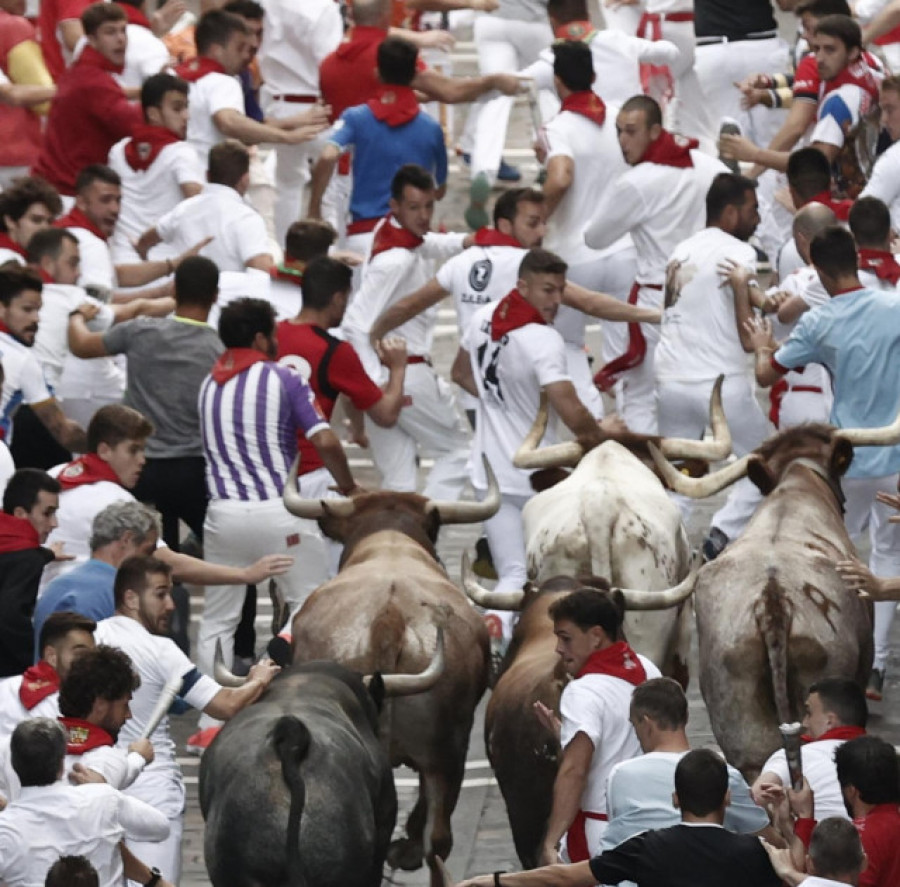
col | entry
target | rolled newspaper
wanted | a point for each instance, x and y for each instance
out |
(166, 698)
(790, 738)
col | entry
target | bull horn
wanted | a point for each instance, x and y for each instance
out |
(873, 437)
(222, 675)
(698, 487)
(312, 509)
(664, 599)
(531, 456)
(443, 874)
(710, 451)
(408, 684)
(490, 600)
(469, 512)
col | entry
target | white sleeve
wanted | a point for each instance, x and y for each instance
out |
(550, 361)
(620, 209)
(441, 247)
(167, 226)
(814, 294)
(777, 764)
(33, 384)
(224, 92)
(197, 689)
(447, 274)
(884, 182)
(579, 711)
(252, 238)
(656, 52)
(865, 10)
(541, 71)
(187, 166)
(134, 766)
(557, 143)
(141, 821)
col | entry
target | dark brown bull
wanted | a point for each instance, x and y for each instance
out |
(378, 614)
(773, 615)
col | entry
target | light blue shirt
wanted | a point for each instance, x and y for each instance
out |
(856, 336)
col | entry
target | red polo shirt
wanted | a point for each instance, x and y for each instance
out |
(880, 836)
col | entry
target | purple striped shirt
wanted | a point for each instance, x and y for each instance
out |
(249, 430)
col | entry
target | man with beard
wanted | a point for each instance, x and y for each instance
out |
(143, 596)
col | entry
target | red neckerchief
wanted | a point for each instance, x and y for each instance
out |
(512, 313)
(146, 142)
(38, 682)
(841, 208)
(836, 733)
(234, 361)
(881, 263)
(82, 736)
(293, 276)
(198, 67)
(493, 237)
(587, 104)
(86, 469)
(45, 277)
(359, 40)
(392, 235)
(394, 105)
(17, 534)
(6, 242)
(75, 218)
(135, 16)
(575, 31)
(93, 59)
(617, 661)
(670, 150)
(850, 289)
(858, 73)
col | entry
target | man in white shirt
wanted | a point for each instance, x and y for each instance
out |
(707, 303)
(639, 792)
(143, 595)
(660, 200)
(296, 38)
(35, 694)
(306, 240)
(28, 205)
(835, 711)
(146, 54)
(400, 262)
(884, 181)
(157, 167)
(217, 109)
(50, 819)
(234, 232)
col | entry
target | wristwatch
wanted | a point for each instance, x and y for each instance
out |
(155, 877)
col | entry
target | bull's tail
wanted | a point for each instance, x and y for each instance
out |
(291, 740)
(774, 614)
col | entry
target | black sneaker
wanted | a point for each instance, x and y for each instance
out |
(483, 565)
(875, 687)
(714, 544)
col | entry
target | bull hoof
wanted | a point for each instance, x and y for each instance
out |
(405, 854)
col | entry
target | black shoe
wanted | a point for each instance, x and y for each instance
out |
(714, 544)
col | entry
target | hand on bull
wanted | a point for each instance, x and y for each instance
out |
(144, 748)
(859, 578)
(263, 671)
(267, 567)
(548, 718)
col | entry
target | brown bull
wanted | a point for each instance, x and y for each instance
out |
(378, 614)
(773, 615)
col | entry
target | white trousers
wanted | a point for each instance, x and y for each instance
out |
(720, 65)
(502, 45)
(798, 407)
(432, 426)
(863, 512)
(359, 244)
(684, 412)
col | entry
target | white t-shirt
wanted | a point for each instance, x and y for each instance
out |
(598, 705)
(660, 205)
(97, 269)
(639, 798)
(510, 374)
(238, 230)
(285, 297)
(147, 195)
(386, 279)
(23, 380)
(820, 772)
(884, 183)
(871, 281)
(12, 712)
(145, 56)
(699, 336)
(210, 94)
(598, 162)
(156, 659)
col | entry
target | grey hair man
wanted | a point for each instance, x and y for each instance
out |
(119, 531)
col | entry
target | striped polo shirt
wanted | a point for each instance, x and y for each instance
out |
(249, 430)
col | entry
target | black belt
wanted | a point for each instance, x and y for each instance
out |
(759, 35)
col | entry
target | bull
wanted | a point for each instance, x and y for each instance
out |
(773, 615)
(378, 614)
(522, 751)
(297, 789)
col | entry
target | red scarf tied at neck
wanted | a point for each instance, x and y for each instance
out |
(394, 105)
(17, 534)
(512, 313)
(587, 104)
(493, 237)
(234, 361)
(199, 67)
(392, 235)
(617, 661)
(86, 469)
(6, 242)
(670, 150)
(146, 143)
(38, 682)
(841, 208)
(846, 733)
(881, 263)
(75, 218)
(82, 736)
(93, 59)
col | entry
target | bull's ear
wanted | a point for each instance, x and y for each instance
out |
(841, 457)
(376, 690)
(759, 474)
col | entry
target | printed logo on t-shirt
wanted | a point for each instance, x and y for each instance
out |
(480, 275)
(489, 377)
(296, 363)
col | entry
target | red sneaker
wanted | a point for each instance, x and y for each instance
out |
(201, 740)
